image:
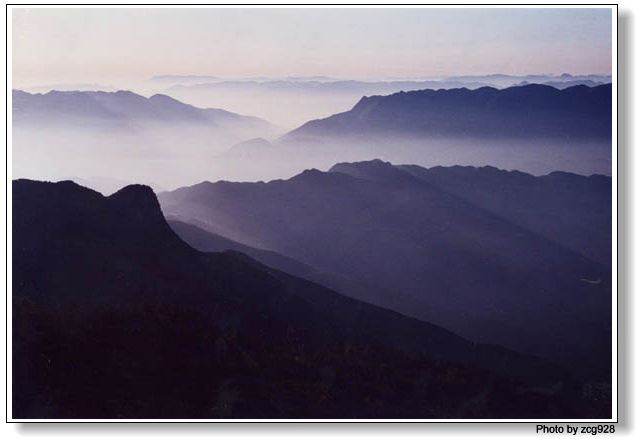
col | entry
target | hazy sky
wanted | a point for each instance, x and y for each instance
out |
(110, 45)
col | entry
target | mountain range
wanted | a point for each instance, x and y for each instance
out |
(114, 316)
(122, 136)
(291, 101)
(119, 110)
(488, 270)
(570, 209)
(529, 111)
(502, 80)
(534, 128)
(537, 129)
(370, 290)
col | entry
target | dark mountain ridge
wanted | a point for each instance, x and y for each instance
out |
(102, 279)
(210, 242)
(467, 268)
(571, 209)
(114, 316)
(533, 110)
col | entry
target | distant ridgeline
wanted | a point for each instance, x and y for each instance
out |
(496, 256)
(529, 111)
(120, 109)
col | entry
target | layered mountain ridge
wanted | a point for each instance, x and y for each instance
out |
(528, 111)
(78, 255)
(486, 273)
(122, 107)
(122, 136)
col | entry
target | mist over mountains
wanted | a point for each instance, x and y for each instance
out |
(465, 291)
(530, 111)
(122, 110)
(106, 295)
(536, 129)
(292, 101)
(292, 214)
(485, 270)
(504, 80)
(567, 208)
(58, 134)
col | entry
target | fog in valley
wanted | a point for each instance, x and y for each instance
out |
(289, 102)
(168, 162)
(312, 213)
(112, 138)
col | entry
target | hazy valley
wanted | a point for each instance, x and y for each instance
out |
(424, 253)
(303, 214)
(62, 135)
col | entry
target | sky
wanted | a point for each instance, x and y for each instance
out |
(107, 45)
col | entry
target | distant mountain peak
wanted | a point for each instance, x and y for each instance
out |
(374, 170)
(364, 165)
(313, 172)
(164, 98)
(316, 177)
(121, 93)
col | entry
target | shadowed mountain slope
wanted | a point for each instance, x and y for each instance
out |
(467, 268)
(119, 249)
(202, 240)
(102, 287)
(567, 208)
(210, 242)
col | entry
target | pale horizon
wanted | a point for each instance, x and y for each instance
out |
(111, 49)
(111, 46)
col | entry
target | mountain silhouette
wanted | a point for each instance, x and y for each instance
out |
(115, 316)
(571, 209)
(467, 268)
(118, 109)
(529, 111)
(292, 101)
(122, 136)
(370, 292)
